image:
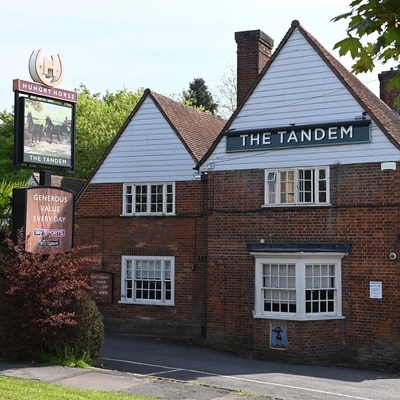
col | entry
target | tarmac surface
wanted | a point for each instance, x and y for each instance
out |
(150, 366)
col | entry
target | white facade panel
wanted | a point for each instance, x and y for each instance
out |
(300, 89)
(147, 151)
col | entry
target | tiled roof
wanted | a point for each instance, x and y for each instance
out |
(64, 182)
(196, 129)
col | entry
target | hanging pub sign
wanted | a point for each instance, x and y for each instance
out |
(46, 217)
(299, 136)
(45, 115)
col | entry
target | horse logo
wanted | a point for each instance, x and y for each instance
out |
(45, 72)
(60, 131)
(36, 130)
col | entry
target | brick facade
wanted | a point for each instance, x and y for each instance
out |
(254, 49)
(388, 96)
(364, 213)
(182, 236)
(219, 216)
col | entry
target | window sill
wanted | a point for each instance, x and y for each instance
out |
(295, 318)
(147, 215)
(297, 205)
(145, 303)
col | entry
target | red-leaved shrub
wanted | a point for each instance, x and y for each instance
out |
(41, 302)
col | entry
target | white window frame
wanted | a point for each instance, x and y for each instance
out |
(165, 280)
(273, 180)
(130, 195)
(300, 260)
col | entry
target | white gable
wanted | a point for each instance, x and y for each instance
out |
(300, 89)
(147, 151)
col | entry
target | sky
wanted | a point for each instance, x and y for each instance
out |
(158, 44)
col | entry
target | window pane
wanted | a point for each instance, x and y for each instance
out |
(128, 199)
(287, 186)
(271, 192)
(141, 199)
(151, 279)
(319, 278)
(279, 298)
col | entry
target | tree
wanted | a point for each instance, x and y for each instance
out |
(7, 170)
(379, 18)
(199, 96)
(98, 120)
(6, 190)
(227, 93)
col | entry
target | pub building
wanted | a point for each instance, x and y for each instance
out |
(275, 232)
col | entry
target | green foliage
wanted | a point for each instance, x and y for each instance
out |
(6, 190)
(7, 170)
(199, 96)
(379, 19)
(25, 389)
(99, 119)
(44, 307)
(86, 339)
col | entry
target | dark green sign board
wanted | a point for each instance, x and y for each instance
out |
(299, 136)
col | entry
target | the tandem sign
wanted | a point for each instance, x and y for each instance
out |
(299, 136)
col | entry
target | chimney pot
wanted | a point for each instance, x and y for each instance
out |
(254, 49)
(386, 95)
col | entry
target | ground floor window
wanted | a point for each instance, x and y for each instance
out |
(298, 286)
(147, 280)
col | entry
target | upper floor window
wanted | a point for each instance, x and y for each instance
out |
(149, 199)
(297, 186)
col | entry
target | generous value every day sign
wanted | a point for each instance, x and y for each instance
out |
(48, 220)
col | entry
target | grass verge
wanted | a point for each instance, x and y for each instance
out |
(23, 389)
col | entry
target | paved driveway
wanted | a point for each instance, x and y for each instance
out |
(198, 365)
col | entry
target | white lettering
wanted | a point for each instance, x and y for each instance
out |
(306, 135)
(292, 136)
(50, 208)
(54, 160)
(266, 138)
(281, 133)
(344, 132)
(244, 139)
(332, 134)
(254, 138)
(42, 218)
(56, 199)
(321, 131)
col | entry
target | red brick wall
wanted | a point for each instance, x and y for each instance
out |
(388, 96)
(98, 222)
(254, 49)
(365, 212)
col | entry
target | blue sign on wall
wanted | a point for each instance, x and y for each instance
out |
(278, 336)
(299, 136)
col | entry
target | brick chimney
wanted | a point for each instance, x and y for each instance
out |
(386, 95)
(254, 49)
